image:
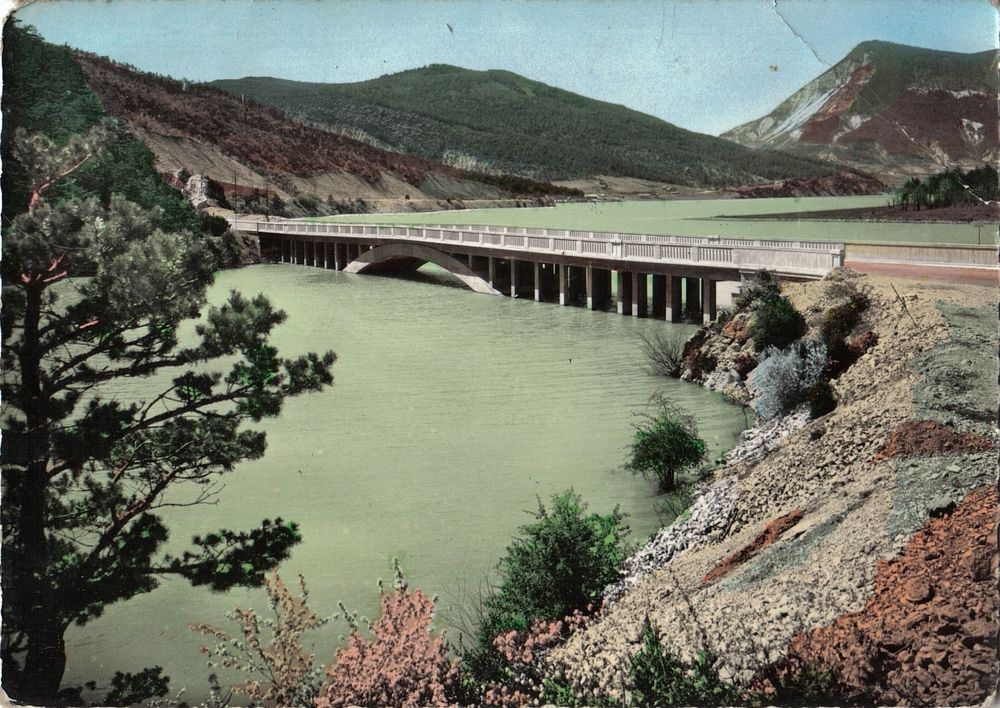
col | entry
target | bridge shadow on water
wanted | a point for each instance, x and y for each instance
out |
(428, 274)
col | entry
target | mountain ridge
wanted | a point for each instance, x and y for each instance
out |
(497, 119)
(888, 107)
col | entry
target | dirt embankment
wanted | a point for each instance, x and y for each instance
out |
(815, 521)
(838, 184)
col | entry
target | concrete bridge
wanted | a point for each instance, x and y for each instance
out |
(568, 267)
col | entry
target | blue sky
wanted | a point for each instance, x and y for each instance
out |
(705, 65)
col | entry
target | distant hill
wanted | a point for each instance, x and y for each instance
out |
(201, 129)
(497, 120)
(889, 108)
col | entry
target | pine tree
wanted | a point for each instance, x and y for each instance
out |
(94, 297)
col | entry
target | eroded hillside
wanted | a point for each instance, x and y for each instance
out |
(868, 549)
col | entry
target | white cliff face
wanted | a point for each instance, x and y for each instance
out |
(784, 125)
(196, 192)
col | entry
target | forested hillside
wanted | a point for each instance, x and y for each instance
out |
(501, 121)
(48, 94)
(261, 136)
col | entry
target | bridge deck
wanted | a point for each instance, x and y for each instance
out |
(802, 259)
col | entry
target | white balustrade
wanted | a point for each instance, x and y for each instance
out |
(807, 258)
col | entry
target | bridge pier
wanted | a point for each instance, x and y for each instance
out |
(692, 298)
(599, 295)
(640, 298)
(547, 285)
(675, 311)
(708, 308)
(624, 304)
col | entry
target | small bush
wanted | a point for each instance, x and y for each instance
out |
(762, 285)
(403, 663)
(665, 444)
(560, 563)
(821, 399)
(660, 679)
(776, 323)
(307, 200)
(805, 685)
(281, 672)
(213, 225)
(664, 351)
(784, 377)
(838, 322)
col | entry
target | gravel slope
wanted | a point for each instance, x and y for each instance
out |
(851, 509)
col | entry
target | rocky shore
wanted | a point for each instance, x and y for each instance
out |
(797, 532)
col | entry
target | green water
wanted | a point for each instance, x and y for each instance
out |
(451, 411)
(696, 217)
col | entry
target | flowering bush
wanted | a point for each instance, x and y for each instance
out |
(403, 664)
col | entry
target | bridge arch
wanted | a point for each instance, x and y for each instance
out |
(407, 257)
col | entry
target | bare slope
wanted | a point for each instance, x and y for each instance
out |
(205, 130)
(889, 108)
(499, 120)
(794, 541)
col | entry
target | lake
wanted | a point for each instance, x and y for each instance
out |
(697, 217)
(451, 413)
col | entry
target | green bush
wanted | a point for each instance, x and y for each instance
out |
(821, 399)
(560, 563)
(665, 444)
(659, 679)
(775, 323)
(307, 200)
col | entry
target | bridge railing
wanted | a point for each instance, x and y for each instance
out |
(807, 258)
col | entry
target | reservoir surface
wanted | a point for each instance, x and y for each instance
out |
(706, 217)
(450, 415)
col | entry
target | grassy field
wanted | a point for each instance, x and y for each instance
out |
(701, 217)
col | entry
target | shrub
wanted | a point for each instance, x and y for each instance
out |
(762, 285)
(797, 684)
(660, 679)
(212, 224)
(838, 322)
(664, 351)
(307, 200)
(784, 377)
(776, 323)
(560, 563)
(665, 444)
(821, 399)
(402, 664)
(280, 672)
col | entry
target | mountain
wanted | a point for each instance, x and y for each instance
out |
(889, 108)
(250, 149)
(497, 120)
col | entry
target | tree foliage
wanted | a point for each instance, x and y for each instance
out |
(559, 563)
(775, 323)
(95, 298)
(48, 95)
(950, 188)
(665, 444)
